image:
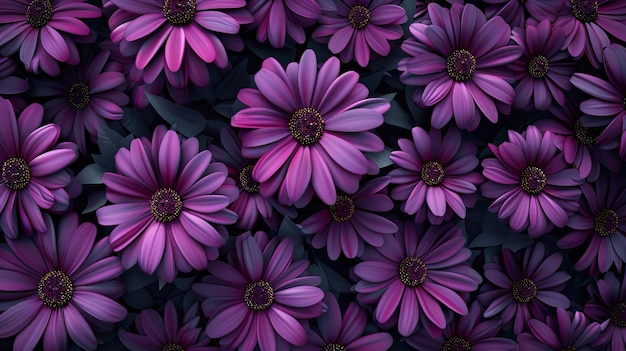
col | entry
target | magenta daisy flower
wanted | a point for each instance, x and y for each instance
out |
(34, 177)
(608, 304)
(514, 11)
(310, 128)
(470, 332)
(523, 285)
(44, 32)
(435, 175)
(457, 65)
(599, 224)
(156, 333)
(415, 276)
(358, 27)
(260, 296)
(178, 37)
(339, 332)
(352, 221)
(169, 204)
(57, 284)
(10, 84)
(85, 96)
(543, 71)
(531, 183)
(565, 332)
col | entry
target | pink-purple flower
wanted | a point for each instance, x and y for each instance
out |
(514, 11)
(608, 306)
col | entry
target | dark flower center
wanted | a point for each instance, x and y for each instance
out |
(432, 173)
(38, 13)
(334, 347)
(79, 95)
(412, 271)
(569, 348)
(55, 289)
(533, 180)
(585, 10)
(456, 344)
(15, 173)
(460, 65)
(247, 182)
(172, 347)
(306, 125)
(259, 295)
(179, 11)
(359, 16)
(606, 222)
(618, 315)
(586, 135)
(166, 205)
(343, 209)
(538, 66)
(524, 290)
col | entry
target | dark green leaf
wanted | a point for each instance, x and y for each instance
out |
(92, 174)
(95, 200)
(381, 158)
(185, 120)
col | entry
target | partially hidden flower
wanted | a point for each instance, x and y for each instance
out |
(10, 84)
(608, 306)
(514, 12)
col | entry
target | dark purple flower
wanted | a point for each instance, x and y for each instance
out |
(260, 296)
(357, 27)
(44, 32)
(416, 275)
(9, 84)
(352, 221)
(470, 332)
(156, 333)
(34, 177)
(457, 65)
(608, 306)
(57, 284)
(522, 285)
(435, 175)
(169, 204)
(513, 10)
(310, 129)
(421, 8)
(531, 183)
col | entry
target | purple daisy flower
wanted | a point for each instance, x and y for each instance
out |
(421, 9)
(416, 275)
(44, 32)
(260, 296)
(352, 221)
(470, 332)
(358, 27)
(33, 170)
(457, 65)
(608, 103)
(435, 175)
(608, 304)
(84, 97)
(310, 128)
(531, 183)
(156, 333)
(565, 332)
(9, 84)
(543, 71)
(513, 10)
(599, 224)
(57, 284)
(340, 333)
(169, 204)
(178, 37)
(522, 285)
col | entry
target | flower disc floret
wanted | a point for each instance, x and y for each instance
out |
(585, 11)
(618, 315)
(247, 181)
(55, 289)
(259, 295)
(306, 125)
(359, 16)
(533, 180)
(606, 222)
(460, 65)
(334, 347)
(38, 13)
(538, 66)
(524, 290)
(456, 344)
(172, 347)
(343, 209)
(432, 173)
(78, 95)
(412, 271)
(179, 11)
(586, 135)
(15, 173)
(166, 205)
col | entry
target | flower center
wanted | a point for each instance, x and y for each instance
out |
(259, 295)
(412, 271)
(618, 315)
(343, 209)
(586, 135)
(585, 10)
(524, 290)
(166, 205)
(306, 125)
(456, 344)
(569, 348)
(38, 13)
(247, 182)
(432, 173)
(359, 16)
(334, 347)
(15, 173)
(55, 289)
(606, 222)
(538, 66)
(179, 11)
(460, 65)
(533, 180)
(172, 347)
(79, 95)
